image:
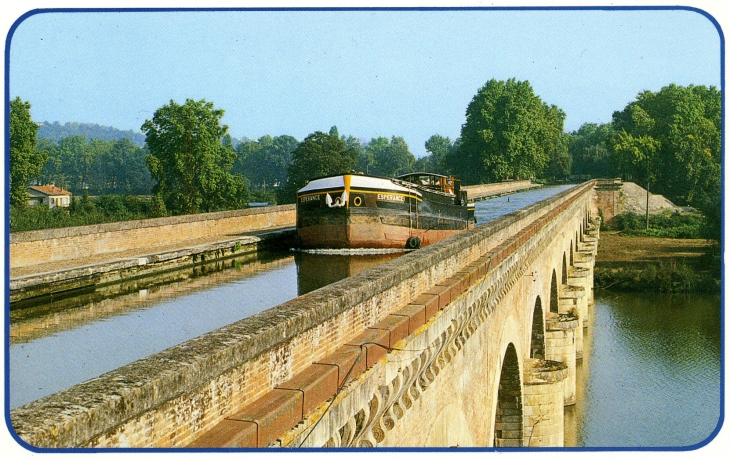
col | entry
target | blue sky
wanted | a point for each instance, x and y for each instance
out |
(408, 73)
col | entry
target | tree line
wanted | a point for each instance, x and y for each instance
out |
(668, 140)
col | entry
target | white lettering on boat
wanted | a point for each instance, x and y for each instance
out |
(391, 198)
(309, 198)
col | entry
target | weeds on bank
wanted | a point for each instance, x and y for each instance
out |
(668, 225)
(672, 276)
(664, 277)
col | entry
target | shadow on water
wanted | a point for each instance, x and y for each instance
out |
(316, 270)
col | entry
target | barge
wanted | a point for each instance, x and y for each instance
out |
(351, 211)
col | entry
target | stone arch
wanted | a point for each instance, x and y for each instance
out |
(508, 420)
(554, 293)
(537, 341)
(564, 275)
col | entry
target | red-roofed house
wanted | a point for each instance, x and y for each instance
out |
(50, 196)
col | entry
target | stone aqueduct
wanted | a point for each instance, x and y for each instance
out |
(469, 342)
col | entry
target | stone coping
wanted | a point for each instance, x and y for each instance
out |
(123, 262)
(44, 234)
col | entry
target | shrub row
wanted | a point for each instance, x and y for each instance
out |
(84, 211)
(669, 224)
(665, 277)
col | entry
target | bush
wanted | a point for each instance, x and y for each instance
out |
(110, 205)
(38, 217)
(629, 222)
(671, 225)
(664, 277)
(82, 212)
(137, 205)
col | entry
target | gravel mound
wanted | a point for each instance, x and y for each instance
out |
(634, 201)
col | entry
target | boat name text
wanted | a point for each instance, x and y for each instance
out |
(309, 198)
(391, 198)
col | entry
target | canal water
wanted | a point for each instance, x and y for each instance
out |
(67, 341)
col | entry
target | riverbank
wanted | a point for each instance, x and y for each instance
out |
(666, 265)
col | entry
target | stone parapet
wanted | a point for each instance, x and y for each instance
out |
(33, 248)
(483, 191)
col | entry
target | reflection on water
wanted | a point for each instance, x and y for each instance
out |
(72, 312)
(57, 349)
(316, 270)
(650, 376)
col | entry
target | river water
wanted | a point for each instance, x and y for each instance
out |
(650, 375)
(640, 355)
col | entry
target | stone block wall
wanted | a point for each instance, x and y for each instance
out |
(543, 407)
(48, 245)
(606, 200)
(486, 190)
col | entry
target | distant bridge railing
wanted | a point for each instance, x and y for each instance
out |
(482, 191)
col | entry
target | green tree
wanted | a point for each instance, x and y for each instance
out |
(509, 133)
(120, 168)
(320, 154)
(389, 157)
(640, 155)
(99, 166)
(125, 168)
(70, 164)
(439, 148)
(554, 141)
(588, 148)
(676, 139)
(26, 161)
(351, 142)
(188, 160)
(265, 162)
